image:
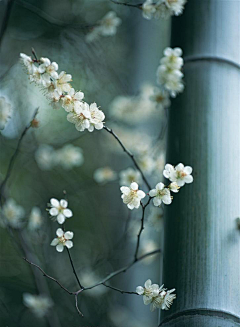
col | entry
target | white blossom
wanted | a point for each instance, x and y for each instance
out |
(160, 194)
(157, 297)
(38, 304)
(62, 83)
(176, 6)
(178, 174)
(132, 196)
(148, 9)
(146, 162)
(69, 156)
(174, 187)
(107, 26)
(162, 11)
(169, 74)
(97, 117)
(164, 300)
(161, 98)
(27, 61)
(12, 214)
(72, 99)
(149, 291)
(48, 70)
(35, 219)
(45, 157)
(63, 239)
(5, 112)
(130, 175)
(59, 210)
(104, 175)
(80, 116)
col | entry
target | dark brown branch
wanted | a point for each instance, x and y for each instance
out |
(118, 290)
(109, 130)
(139, 5)
(74, 271)
(141, 228)
(50, 277)
(14, 157)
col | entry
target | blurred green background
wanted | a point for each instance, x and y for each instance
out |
(108, 67)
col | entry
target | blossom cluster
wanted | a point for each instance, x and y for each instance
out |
(58, 90)
(5, 112)
(162, 8)
(178, 176)
(67, 157)
(157, 296)
(169, 74)
(107, 26)
(59, 212)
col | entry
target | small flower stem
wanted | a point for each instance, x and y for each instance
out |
(109, 130)
(14, 156)
(141, 229)
(74, 271)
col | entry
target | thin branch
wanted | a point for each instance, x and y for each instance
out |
(141, 228)
(74, 271)
(109, 130)
(50, 277)
(76, 305)
(139, 5)
(118, 290)
(121, 270)
(14, 157)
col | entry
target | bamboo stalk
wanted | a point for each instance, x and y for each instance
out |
(202, 244)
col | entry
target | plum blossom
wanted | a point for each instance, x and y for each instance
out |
(35, 219)
(129, 175)
(5, 112)
(178, 174)
(28, 62)
(12, 214)
(38, 304)
(80, 116)
(104, 175)
(169, 75)
(161, 98)
(45, 157)
(62, 83)
(148, 9)
(157, 297)
(63, 239)
(48, 71)
(69, 156)
(132, 196)
(59, 210)
(107, 26)
(174, 187)
(176, 6)
(70, 100)
(97, 117)
(160, 194)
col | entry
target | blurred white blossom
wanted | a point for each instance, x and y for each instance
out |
(59, 210)
(45, 157)
(69, 156)
(12, 214)
(160, 194)
(5, 112)
(178, 174)
(130, 175)
(162, 8)
(89, 278)
(160, 98)
(157, 297)
(169, 74)
(63, 239)
(38, 304)
(104, 175)
(132, 196)
(35, 219)
(107, 26)
(155, 218)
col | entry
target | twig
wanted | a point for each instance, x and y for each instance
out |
(141, 228)
(109, 130)
(50, 277)
(118, 290)
(74, 271)
(139, 5)
(14, 157)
